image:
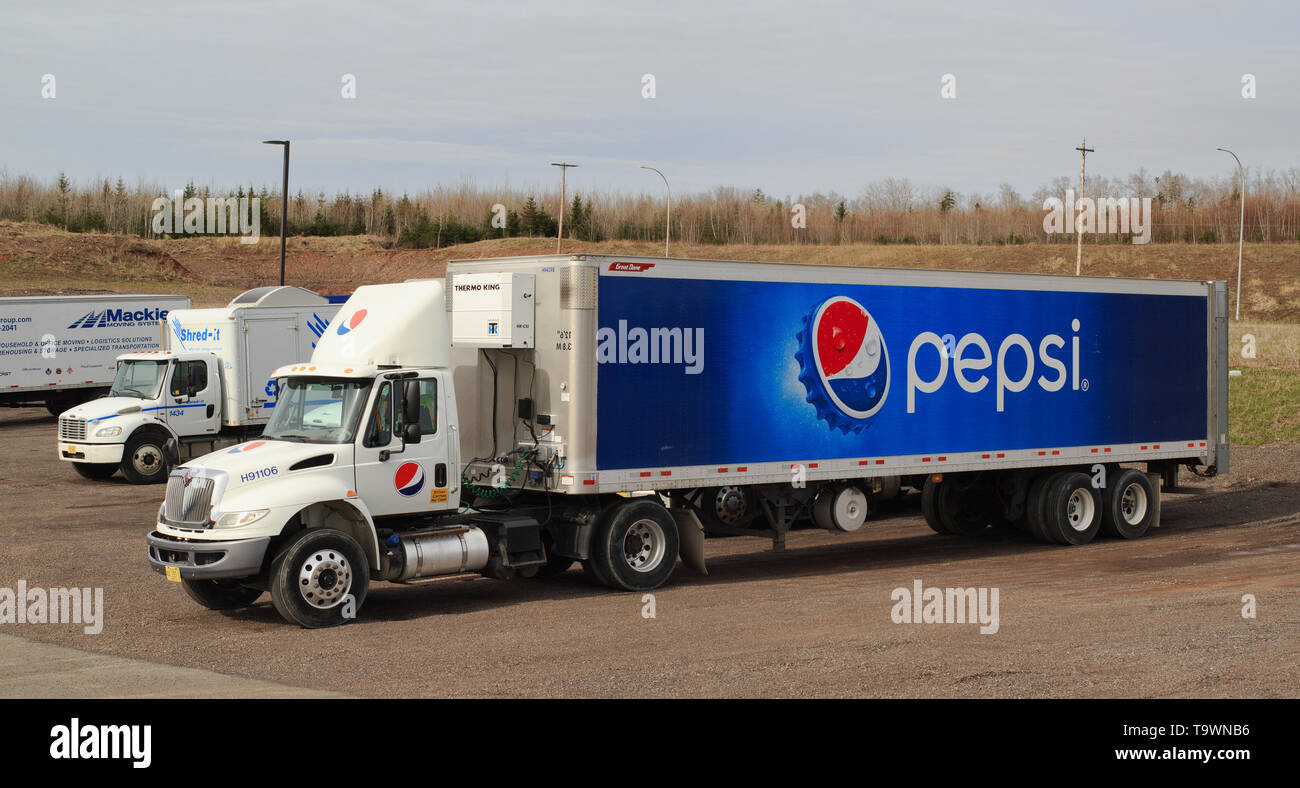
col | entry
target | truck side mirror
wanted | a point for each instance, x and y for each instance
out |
(411, 432)
(411, 404)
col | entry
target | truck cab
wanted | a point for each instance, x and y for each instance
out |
(211, 379)
(155, 397)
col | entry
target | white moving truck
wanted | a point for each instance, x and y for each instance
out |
(58, 351)
(503, 425)
(210, 379)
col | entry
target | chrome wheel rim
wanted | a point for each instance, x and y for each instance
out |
(644, 546)
(325, 578)
(729, 505)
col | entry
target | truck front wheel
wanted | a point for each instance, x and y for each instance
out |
(143, 459)
(319, 578)
(635, 546)
(220, 594)
(96, 471)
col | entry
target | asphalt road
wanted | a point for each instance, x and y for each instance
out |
(1161, 616)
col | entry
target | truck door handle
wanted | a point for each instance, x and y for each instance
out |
(210, 407)
(440, 475)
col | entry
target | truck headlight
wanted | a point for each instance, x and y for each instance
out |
(108, 432)
(239, 519)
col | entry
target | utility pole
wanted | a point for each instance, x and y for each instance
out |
(563, 169)
(1083, 150)
(284, 202)
(1241, 225)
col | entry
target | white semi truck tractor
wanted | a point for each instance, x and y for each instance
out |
(528, 413)
(210, 380)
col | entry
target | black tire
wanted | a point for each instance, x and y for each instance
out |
(1129, 504)
(957, 506)
(1034, 505)
(1071, 509)
(220, 594)
(930, 507)
(144, 458)
(556, 564)
(95, 471)
(635, 546)
(725, 506)
(324, 565)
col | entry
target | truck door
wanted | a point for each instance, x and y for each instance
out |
(396, 477)
(193, 398)
(269, 343)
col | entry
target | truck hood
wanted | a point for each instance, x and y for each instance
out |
(105, 408)
(263, 458)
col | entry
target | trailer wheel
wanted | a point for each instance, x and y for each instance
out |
(1034, 506)
(96, 471)
(313, 576)
(144, 459)
(957, 507)
(220, 594)
(1071, 509)
(930, 507)
(725, 506)
(1129, 505)
(635, 546)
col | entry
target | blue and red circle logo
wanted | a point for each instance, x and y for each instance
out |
(844, 364)
(352, 322)
(409, 478)
(246, 447)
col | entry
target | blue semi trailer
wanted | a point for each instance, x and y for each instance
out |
(527, 413)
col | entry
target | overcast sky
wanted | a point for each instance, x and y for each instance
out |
(793, 97)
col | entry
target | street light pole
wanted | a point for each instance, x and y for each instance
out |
(668, 220)
(564, 168)
(1241, 225)
(284, 202)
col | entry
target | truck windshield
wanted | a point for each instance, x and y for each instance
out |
(142, 379)
(317, 410)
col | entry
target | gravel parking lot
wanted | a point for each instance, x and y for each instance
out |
(1161, 616)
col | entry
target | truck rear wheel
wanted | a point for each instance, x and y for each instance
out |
(953, 507)
(143, 459)
(1128, 507)
(1034, 506)
(725, 506)
(319, 579)
(220, 594)
(635, 546)
(97, 471)
(1071, 512)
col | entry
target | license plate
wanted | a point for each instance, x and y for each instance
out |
(173, 573)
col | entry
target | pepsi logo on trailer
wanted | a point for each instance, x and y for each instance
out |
(843, 363)
(351, 322)
(409, 478)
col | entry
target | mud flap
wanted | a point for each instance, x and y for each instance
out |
(690, 534)
(1155, 479)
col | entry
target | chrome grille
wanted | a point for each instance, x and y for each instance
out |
(71, 429)
(188, 503)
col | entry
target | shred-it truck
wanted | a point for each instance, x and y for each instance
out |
(210, 380)
(510, 420)
(58, 351)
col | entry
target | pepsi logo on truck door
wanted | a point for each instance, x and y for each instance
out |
(409, 478)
